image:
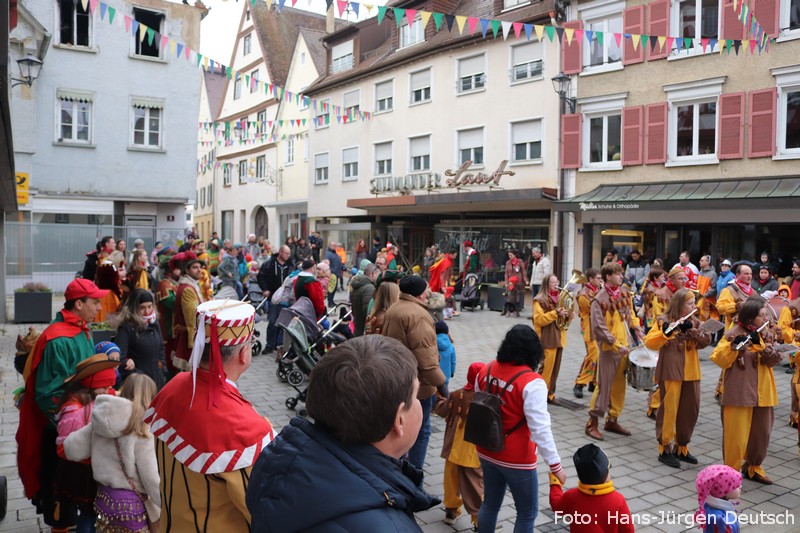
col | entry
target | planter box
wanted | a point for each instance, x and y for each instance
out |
(33, 307)
(102, 335)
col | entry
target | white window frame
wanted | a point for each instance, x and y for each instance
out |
(386, 171)
(786, 33)
(345, 60)
(512, 70)
(288, 152)
(237, 86)
(247, 44)
(90, 37)
(254, 81)
(477, 82)
(423, 160)
(411, 36)
(459, 149)
(162, 53)
(324, 177)
(75, 98)
(514, 4)
(674, 24)
(530, 160)
(261, 168)
(243, 168)
(411, 91)
(690, 93)
(210, 195)
(787, 79)
(591, 12)
(148, 105)
(388, 101)
(321, 113)
(351, 111)
(595, 107)
(262, 117)
(227, 174)
(350, 170)
(202, 197)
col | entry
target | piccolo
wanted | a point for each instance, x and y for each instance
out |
(748, 339)
(670, 329)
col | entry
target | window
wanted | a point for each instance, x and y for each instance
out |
(254, 81)
(210, 194)
(787, 120)
(321, 168)
(323, 114)
(302, 58)
(508, 4)
(604, 137)
(471, 73)
(226, 174)
(603, 51)
(261, 168)
(288, 156)
(696, 19)
(75, 23)
(147, 122)
(526, 61)
(247, 14)
(262, 122)
(243, 171)
(383, 158)
(420, 152)
(526, 141)
(350, 103)
(237, 87)
(342, 57)
(203, 197)
(247, 43)
(350, 164)
(62, 218)
(148, 47)
(470, 146)
(383, 96)
(411, 33)
(692, 127)
(421, 86)
(790, 15)
(74, 117)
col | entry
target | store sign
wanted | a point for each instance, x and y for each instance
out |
(433, 180)
(611, 206)
(23, 187)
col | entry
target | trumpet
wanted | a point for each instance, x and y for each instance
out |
(567, 301)
(670, 329)
(748, 340)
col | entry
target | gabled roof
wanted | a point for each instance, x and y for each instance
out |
(215, 91)
(313, 40)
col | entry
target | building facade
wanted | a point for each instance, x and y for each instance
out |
(211, 92)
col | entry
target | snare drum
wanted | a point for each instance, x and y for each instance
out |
(642, 368)
(234, 320)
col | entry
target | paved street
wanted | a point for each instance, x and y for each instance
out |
(652, 490)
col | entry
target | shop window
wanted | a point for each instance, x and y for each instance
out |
(604, 51)
(526, 62)
(243, 171)
(411, 33)
(321, 168)
(696, 19)
(74, 117)
(237, 87)
(154, 20)
(75, 23)
(288, 156)
(350, 164)
(603, 134)
(526, 141)
(227, 170)
(247, 44)
(351, 103)
(470, 146)
(383, 158)
(420, 86)
(384, 96)
(342, 57)
(420, 152)
(471, 74)
(323, 117)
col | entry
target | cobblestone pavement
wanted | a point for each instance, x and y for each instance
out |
(656, 494)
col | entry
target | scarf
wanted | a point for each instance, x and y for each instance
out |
(613, 292)
(671, 287)
(186, 280)
(656, 284)
(597, 490)
(751, 328)
(554, 295)
(591, 287)
(150, 318)
(747, 289)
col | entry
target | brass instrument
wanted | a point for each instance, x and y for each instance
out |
(566, 300)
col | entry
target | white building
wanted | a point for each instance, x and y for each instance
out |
(107, 133)
(212, 91)
(462, 143)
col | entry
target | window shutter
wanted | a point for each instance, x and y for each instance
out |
(732, 27)
(421, 79)
(632, 135)
(658, 25)
(762, 106)
(471, 66)
(571, 141)
(571, 55)
(767, 13)
(632, 23)
(383, 151)
(731, 126)
(655, 119)
(383, 90)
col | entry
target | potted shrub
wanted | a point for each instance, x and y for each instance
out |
(102, 331)
(33, 304)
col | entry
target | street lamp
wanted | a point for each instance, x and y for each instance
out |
(561, 86)
(29, 67)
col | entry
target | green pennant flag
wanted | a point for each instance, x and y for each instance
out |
(437, 19)
(599, 36)
(727, 46)
(495, 26)
(253, 3)
(550, 31)
(199, 58)
(111, 13)
(688, 42)
(151, 33)
(227, 72)
(381, 13)
(399, 13)
(644, 40)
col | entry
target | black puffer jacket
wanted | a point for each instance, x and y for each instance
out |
(363, 289)
(146, 348)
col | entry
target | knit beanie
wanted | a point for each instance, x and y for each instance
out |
(716, 481)
(413, 285)
(592, 464)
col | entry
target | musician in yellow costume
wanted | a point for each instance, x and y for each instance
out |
(789, 322)
(677, 337)
(208, 436)
(749, 395)
(546, 312)
(587, 373)
(730, 300)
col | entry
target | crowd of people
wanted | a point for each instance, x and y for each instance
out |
(90, 415)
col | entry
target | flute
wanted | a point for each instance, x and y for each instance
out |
(670, 329)
(748, 339)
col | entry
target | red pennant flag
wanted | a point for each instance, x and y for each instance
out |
(618, 38)
(517, 29)
(753, 46)
(342, 6)
(410, 15)
(704, 43)
(472, 22)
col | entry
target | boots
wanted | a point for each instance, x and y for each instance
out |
(669, 458)
(615, 427)
(577, 390)
(592, 430)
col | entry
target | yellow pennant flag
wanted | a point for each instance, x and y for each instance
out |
(269, 5)
(172, 46)
(569, 32)
(735, 4)
(142, 32)
(539, 29)
(84, 3)
(662, 39)
(205, 62)
(461, 20)
(424, 17)
(635, 39)
(369, 7)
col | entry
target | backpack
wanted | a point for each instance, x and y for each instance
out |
(484, 425)
(284, 295)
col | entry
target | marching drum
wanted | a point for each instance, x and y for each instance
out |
(234, 320)
(642, 368)
(775, 305)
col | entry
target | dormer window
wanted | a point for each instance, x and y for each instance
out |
(412, 33)
(342, 57)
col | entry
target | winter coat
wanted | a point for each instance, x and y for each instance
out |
(272, 274)
(109, 417)
(301, 253)
(306, 480)
(336, 262)
(447, 356)
(363, 289)
(539, 269)
(770, 285)
(409, 322)
(146, 348)
(712, 275)
(637, 272)
(90, 266)
(722, 281)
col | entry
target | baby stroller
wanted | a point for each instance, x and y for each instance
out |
(305, 342)
(470, 296)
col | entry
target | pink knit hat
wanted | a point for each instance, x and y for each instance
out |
(717, 481)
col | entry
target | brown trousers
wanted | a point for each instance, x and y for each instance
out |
(463, 484)
(745, 436)
(677, 414)
(609, 395)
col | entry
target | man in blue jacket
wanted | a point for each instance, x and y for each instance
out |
(348, 463)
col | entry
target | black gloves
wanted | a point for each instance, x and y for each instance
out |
(686, 325)
(665, 327)
(738, 340)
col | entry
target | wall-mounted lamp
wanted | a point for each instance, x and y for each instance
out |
(561, 86)
(29, 68)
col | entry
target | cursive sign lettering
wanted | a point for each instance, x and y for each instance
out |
(462, 177)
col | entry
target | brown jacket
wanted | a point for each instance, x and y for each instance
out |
(678, 352)
(610, 322)
(409, 322)
(544, 322)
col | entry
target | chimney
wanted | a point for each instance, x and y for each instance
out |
(329, 21)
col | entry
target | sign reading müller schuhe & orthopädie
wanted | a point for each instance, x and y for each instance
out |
(433, 180)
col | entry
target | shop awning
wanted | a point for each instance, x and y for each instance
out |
(469, 201)
(751, 193)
